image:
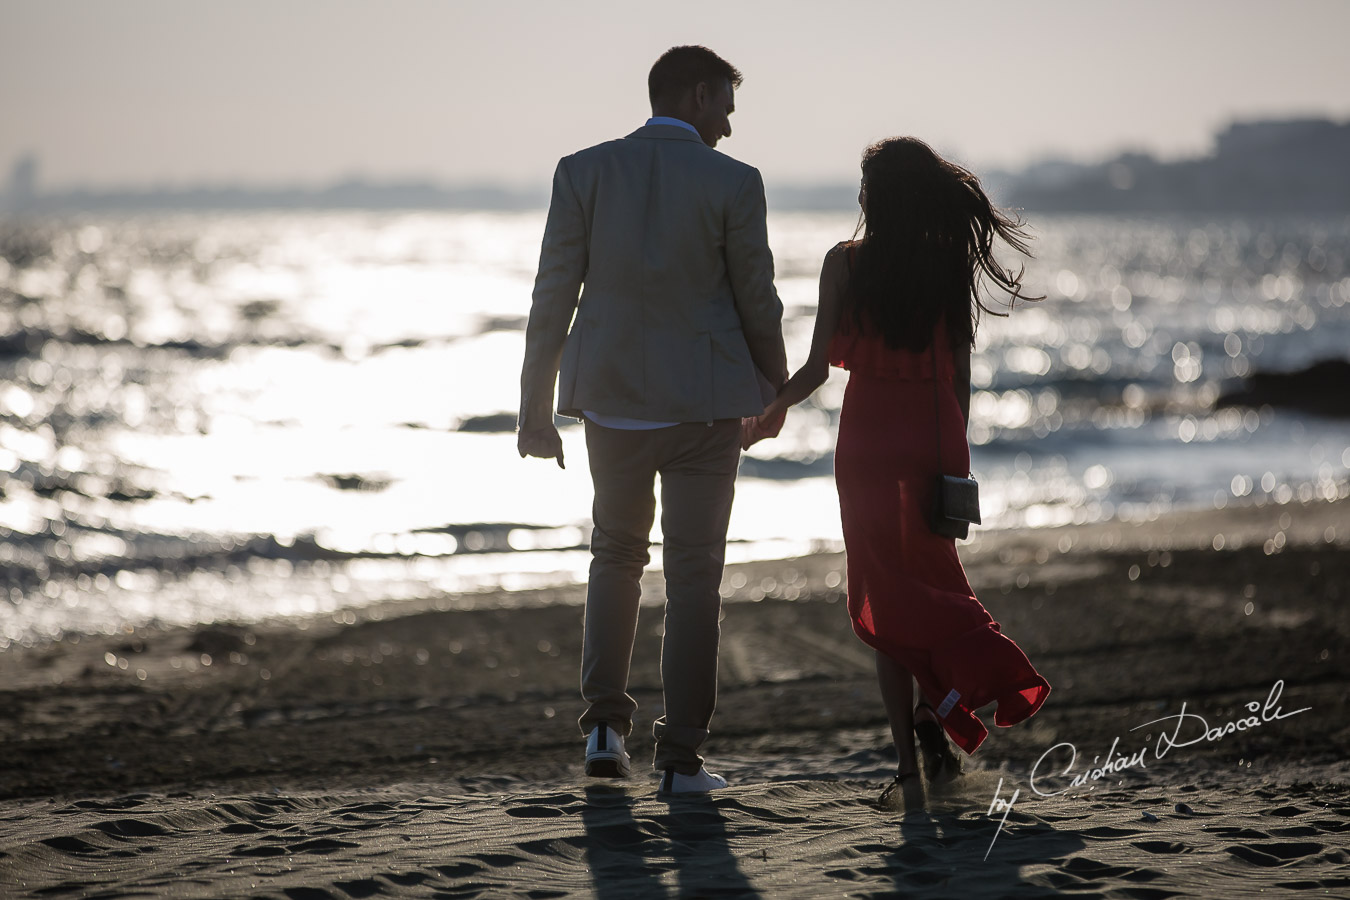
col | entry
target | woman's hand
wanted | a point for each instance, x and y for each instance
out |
(771, 420)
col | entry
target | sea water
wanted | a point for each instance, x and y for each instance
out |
(230, 417)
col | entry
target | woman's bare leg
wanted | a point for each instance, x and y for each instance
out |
(897, 693)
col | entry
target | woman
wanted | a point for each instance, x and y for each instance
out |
(898, 309)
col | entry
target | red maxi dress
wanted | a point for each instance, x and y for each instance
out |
(908, 596)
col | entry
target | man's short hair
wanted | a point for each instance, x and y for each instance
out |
(680, 69)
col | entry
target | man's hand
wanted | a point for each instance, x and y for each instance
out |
(771, 421)
(543, 442)
(766, 425)
(749, 432)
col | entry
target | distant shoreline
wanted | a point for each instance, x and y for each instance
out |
(1258, 167)
(37, 215)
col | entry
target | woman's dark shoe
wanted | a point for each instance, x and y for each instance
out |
(940, 762)
(903, 794)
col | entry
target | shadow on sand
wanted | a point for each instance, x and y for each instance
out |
(682, 851)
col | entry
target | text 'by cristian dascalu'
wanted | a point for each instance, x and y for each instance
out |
(1187, 729)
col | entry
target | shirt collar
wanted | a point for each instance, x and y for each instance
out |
(671, 120)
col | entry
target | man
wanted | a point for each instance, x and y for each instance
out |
(677, 336)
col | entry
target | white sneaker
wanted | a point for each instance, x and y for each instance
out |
(605, 756)
(701, 782)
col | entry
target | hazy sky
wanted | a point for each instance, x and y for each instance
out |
(138, 92)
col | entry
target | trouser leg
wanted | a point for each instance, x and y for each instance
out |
(698, 478)
(623, 470)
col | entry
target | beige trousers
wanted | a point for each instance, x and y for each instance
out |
(697, 463)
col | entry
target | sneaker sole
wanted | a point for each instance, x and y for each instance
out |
(606, 767)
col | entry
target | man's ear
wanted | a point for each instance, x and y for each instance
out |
(701, 93)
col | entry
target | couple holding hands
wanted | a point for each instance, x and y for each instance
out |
(655, 315)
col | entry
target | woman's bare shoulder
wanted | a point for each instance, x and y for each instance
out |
(836, 260)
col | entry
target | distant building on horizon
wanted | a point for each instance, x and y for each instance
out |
(1265, 166)
(1262, 136)
(21, 189)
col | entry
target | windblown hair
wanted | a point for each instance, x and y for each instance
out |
(680, 69)
(927, 247)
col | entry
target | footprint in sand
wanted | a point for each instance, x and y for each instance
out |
(1162, 847)
(361, 888)
(321, 846)
(1324, 884)
(1230, 832)
(1107, 832)
(1270, 855)
(1332, 825)
(71, 844)
(130, 828)
(1091, 868)
(1283, 812)
(1295, 831)
(535, 812)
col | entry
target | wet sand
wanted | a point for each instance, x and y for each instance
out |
(425, 753)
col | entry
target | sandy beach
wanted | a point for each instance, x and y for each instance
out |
(407, 751)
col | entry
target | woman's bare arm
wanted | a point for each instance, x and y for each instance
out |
(812, 374)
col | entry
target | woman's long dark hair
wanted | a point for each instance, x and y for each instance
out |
(928, 243)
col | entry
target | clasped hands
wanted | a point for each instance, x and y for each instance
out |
(766, 425)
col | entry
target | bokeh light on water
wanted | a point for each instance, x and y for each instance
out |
(212, 417)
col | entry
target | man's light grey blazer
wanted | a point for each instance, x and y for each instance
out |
(678, 309)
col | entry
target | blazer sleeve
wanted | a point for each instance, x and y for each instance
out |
(750, 268)
(557, 286)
